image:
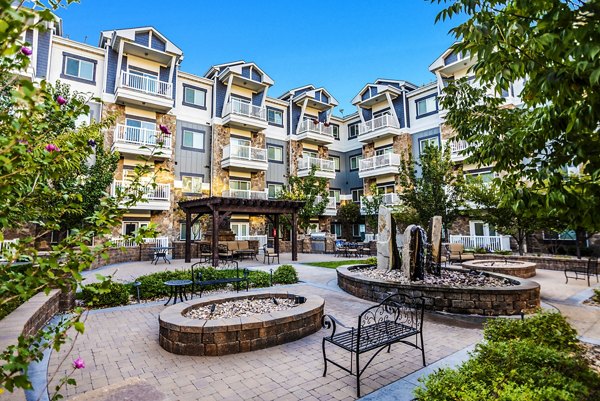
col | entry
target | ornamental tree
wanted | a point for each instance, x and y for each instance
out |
(370, 206)
(40, 151)
(348, 214)
(554, 47)
(310, 189)
(431, 186)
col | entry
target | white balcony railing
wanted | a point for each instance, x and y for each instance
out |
(379, 161)
(244, 194)
(494, 243)
(317, 128)
(389, 199)
(245, 153)
(145, 84)
(456, 147)
(160, 192)
(384, 121)
(331, 202)
(141, 136)
(236, 106)
(306, 163)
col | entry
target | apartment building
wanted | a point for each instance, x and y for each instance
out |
(231, 137)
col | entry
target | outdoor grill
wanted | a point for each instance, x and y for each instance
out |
(317, 242)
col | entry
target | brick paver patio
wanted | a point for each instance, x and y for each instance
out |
(120, 344)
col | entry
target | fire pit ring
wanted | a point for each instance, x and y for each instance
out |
(506, 266)
(188, 336)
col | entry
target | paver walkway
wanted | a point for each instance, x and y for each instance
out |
(122, 343)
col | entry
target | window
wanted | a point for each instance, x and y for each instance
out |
(79, 68)
(336, 228)
(144, 81)
(130, 227)
(335, 129)
(196, 231)
(486, 175)
(355, 161)
(358, 230)
(381, 113)
(240, 229)
(384, 151)
(274, 116)
(426, 106)
(138, 131)
(193, 139)
(353, 131)
(567, 235)
(194, 97)
(336, 162)
(307, 154)
(191, 184)
(275, 153)
(274, 190)
(335, 193)
(423, 143)
(482, 229)
(385, 189)
(357, 194)
(239, 185)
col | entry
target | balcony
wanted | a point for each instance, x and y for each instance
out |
(144, 91)
(244, 115)
(388, 163)
(244, 194)
(495, 243)
(324, 168)
(314, 132)
(142, 141)
(245, 158)
(158, 196)
(389, 199)
(331, 208)
(457, 149)
(378, 128)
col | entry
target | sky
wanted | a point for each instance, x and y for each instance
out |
(340, 45)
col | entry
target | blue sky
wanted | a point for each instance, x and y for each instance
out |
(341, 45)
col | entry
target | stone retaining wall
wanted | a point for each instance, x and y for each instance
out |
(495, 301)
(28, 319)
(542, 262)
(184, 336)
(138, 253)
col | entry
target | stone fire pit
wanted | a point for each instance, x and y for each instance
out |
(296, 316)
(506, 266)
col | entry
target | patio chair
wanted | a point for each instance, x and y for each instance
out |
(269, 255)
(339, 248)
(205, 253)
(458, 254)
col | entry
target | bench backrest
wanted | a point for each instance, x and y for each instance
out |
(397, 308)
(242, 245)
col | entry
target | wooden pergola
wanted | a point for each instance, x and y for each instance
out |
(221, 208)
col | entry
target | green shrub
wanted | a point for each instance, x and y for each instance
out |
(372, 260)
(535, 359)
(259, 279)
(499, 252)
(596, 296)
(285, 274)
(480, 249)
(105, 294)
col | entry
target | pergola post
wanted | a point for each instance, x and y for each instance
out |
(276, 236)
(215, 237)
(294, 236)
(188, 236)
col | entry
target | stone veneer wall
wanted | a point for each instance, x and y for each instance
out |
(495, 301)
(219, 176)
(138, 253)
(297, 148)
(184, 336)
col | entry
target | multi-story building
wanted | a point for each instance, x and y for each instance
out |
(231, 137)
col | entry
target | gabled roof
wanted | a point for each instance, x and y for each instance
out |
(236, 68)
(286, 95)
(311, 89)
(218, 67)
(129, 33)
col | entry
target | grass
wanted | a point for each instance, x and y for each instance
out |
(337, 263)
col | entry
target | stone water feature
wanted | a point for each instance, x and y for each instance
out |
(419, 273)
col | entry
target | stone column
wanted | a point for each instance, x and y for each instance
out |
(219, 176)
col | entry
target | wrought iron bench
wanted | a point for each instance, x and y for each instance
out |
(590, 269)
(199, 283)
(394, 320)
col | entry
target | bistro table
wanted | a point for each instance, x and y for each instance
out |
(161, 252)
(177, 288)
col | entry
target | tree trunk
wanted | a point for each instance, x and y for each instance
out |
(578, 243)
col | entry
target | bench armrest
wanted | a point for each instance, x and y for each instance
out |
(329, 322)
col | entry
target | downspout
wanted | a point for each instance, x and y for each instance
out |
(406, 119)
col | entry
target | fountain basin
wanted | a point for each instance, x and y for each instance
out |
(186, 336)
(523, 295)
(507, 266)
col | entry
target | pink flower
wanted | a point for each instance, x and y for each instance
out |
(61, 100)
(78, 363)
(26, 51)
(164, 129)
(52, 148)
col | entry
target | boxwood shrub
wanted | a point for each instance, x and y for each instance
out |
(105, 294)
(285, 274)
(535, 359)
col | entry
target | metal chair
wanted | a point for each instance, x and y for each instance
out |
(270, 255)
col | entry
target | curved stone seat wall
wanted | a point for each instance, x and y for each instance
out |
(495, 301)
